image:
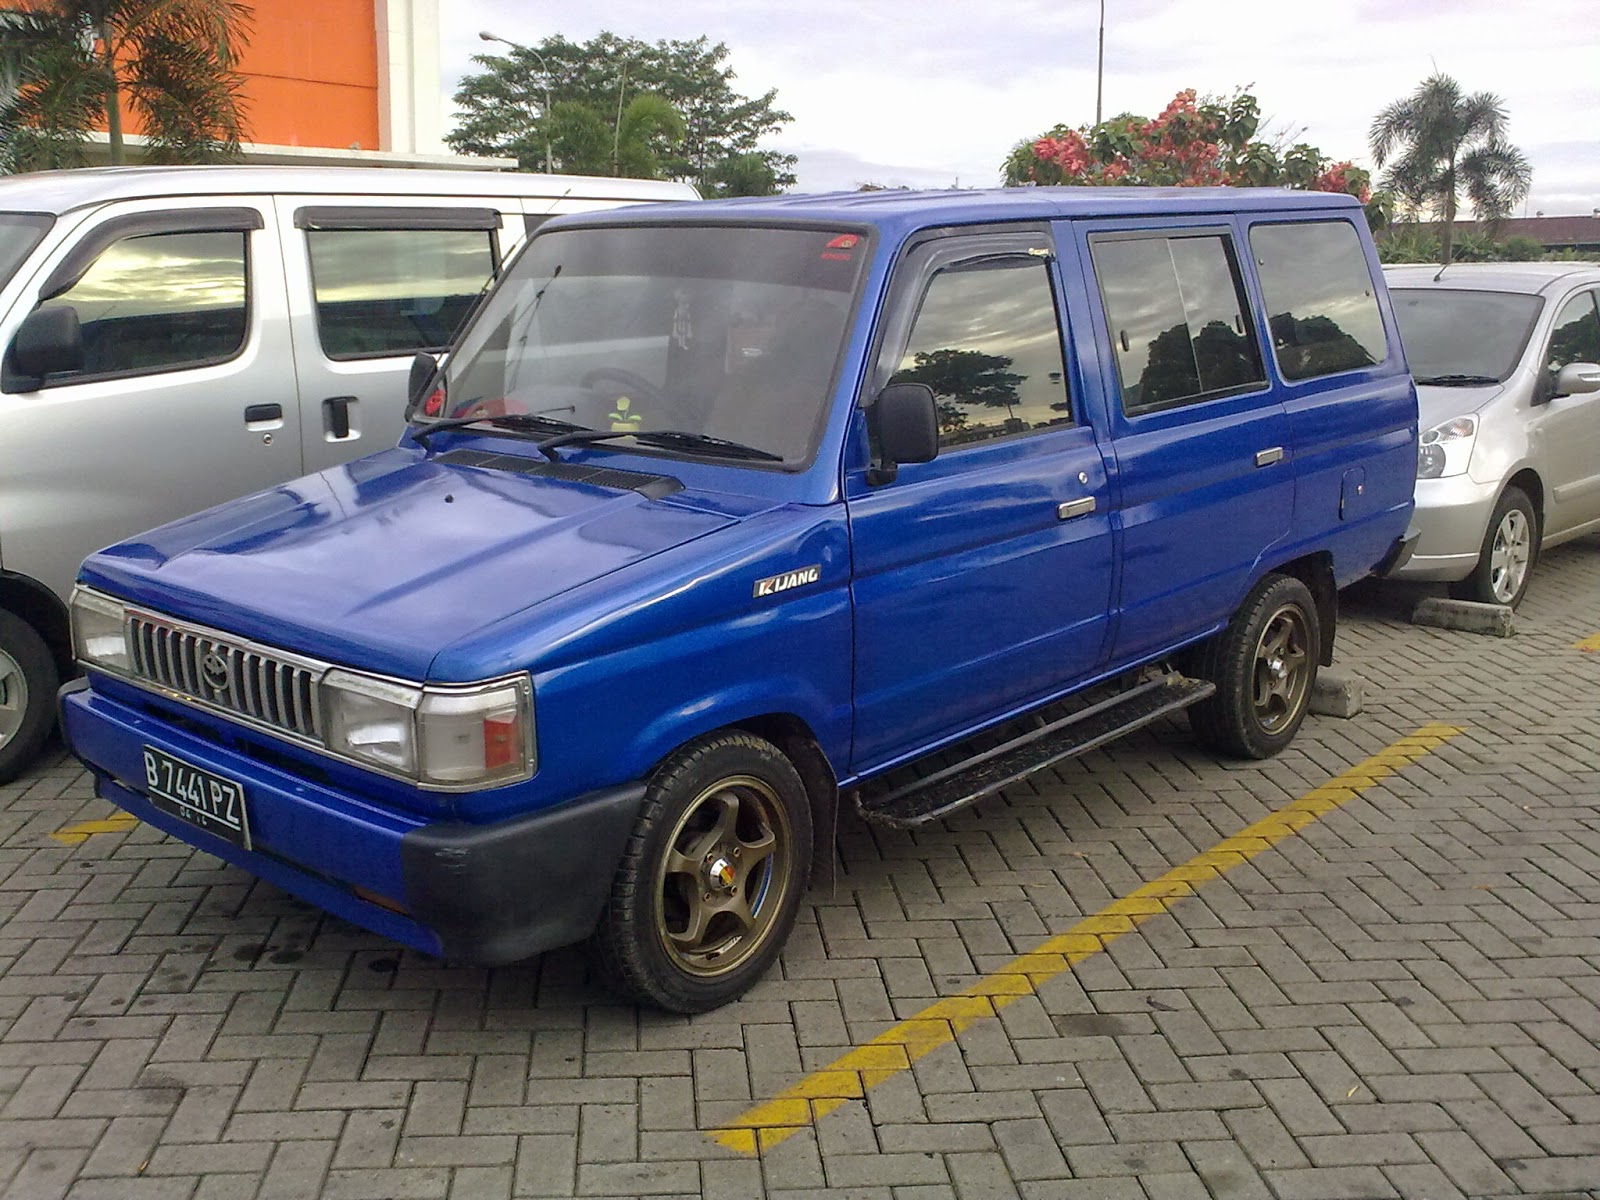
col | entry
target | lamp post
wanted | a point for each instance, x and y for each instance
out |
(545, 83)
(1099, 64)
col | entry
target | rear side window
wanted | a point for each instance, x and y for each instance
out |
(160, 302)
(1178, 319)
(1321, 307)
(382, 292)
(987, 341)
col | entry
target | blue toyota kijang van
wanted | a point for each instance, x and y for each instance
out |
(720, 516)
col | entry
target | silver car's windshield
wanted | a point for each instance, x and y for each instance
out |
(1457, 334)
(19, 234)
(728, 331)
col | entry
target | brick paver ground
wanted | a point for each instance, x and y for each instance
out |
(1401, 1001)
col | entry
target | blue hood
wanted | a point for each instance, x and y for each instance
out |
(385, 561)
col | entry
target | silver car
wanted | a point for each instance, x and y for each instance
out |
(1507, 362)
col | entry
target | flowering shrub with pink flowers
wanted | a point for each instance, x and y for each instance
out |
(1196, 141)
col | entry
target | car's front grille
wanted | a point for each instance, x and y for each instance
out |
(259, 686)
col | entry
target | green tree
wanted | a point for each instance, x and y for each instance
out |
(503, 107)
(73, 63)
(1196, 141)
(586, 142)
(1439, 142)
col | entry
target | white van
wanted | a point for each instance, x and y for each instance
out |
(175, 337)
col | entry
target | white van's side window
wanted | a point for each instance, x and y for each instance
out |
(382, 292)
(160, 302)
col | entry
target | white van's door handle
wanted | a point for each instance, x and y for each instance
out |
(1265, 458)
(1068, 509)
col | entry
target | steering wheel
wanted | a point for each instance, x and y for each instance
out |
(623, 383)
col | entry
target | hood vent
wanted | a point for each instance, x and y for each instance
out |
(653, 486)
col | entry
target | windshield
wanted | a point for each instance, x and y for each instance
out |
(1459, 333)
(19, 234)
(728, 331)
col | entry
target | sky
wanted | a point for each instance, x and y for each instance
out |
(934, 93)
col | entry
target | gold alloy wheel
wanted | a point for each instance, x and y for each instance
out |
(723, 877)
(1282, 669)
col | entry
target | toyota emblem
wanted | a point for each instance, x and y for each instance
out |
(214, 670)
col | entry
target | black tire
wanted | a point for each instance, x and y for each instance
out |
(689, 940)
(1264, 665)
(1508, 555)
(28, 682)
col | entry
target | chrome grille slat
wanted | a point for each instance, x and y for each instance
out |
(257, 685)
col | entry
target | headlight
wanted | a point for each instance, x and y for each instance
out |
(99, 632)
(1446, 449)
(449, 737)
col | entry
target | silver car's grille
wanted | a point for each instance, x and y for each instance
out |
(262, 687)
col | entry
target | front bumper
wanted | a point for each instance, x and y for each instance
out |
(1452, 516)
(482, 894)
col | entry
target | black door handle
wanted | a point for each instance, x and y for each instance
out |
(263, 412)
(336, 415)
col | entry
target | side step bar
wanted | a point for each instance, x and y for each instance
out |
(966, 782)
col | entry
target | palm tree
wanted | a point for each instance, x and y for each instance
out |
(73, 64)
(589, 143)
(1443, 142)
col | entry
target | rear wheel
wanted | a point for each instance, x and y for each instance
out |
(1506, 560)
(28, 682)
(712, 877)
(1264, 665)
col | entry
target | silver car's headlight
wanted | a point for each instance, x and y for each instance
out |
(99, 632)
(1446, 449)
(442, 736)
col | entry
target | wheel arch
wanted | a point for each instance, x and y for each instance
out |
(31, 601)
(1316, 572)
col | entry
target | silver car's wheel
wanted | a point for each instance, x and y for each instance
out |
(1510, 550)
(1510, 555)
(28, 682)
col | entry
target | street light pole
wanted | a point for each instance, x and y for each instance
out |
(545, 81)
(1100, 64)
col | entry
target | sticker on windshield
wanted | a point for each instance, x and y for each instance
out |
(774, 584)
(841, 248)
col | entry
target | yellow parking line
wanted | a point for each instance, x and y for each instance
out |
(72, 835)
(1589, 643)
(850, 1075)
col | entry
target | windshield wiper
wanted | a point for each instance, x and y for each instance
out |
(706, 444)
(1456, 380)
(517, 422)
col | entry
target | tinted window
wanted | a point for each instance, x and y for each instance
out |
(19, 234)
(1455, 336)
(729, 331)
(160, 302)
(1575, 336)
(1320, 302)
(987, 342)
(1178, 319)
(395, 291)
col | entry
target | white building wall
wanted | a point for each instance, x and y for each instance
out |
(409, 116)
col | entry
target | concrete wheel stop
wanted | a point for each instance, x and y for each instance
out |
(1494, 620)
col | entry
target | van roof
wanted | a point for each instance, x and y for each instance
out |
(59, 192)
(907, 209)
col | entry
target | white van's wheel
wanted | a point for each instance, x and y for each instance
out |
(1264, 665)
(28, 681)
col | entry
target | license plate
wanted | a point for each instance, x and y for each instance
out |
(206, 801)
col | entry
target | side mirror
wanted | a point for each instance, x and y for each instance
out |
(1577, 378)
(48, 342)
(905, 421)
(423, 368)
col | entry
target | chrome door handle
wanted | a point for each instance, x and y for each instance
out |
(1068, 509)
(1265, 458)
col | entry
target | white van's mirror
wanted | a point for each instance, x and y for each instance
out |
(1577, 378)
(48, 341)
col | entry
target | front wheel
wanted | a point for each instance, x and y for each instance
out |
(1505, 561)
(28, 681)
(712, 877)
(1264, 665)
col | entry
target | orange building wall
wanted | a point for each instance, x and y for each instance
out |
(310, 72)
